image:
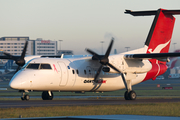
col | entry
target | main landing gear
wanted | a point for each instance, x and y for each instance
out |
(47, 95)
(129, 94)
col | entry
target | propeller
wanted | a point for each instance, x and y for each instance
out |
(103, 59)
(18, 60)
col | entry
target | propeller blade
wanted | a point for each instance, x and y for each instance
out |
(113, 67)
(24, 50)
(10, 56)
(109, 48)
(17, 69)
(122, 75)
(98, 72)
(124, 80)
(94, 54)
(91, 52)
(19, 60)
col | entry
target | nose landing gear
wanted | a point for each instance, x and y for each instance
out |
(25, 96)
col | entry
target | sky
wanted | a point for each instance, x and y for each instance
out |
(84, 23)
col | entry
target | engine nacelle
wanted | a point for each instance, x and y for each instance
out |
(106, 69)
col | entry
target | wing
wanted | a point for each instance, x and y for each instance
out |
(158, 56)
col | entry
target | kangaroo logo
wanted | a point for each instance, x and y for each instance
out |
(159, 47)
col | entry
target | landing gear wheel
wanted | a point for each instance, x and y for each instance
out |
(25, 97)
(126, 95)
(22, 98)
(130, 95)
(46, 96)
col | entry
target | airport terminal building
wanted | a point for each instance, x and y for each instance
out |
(15, 45)
(45, 47)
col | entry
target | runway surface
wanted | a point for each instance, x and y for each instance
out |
(42, 103)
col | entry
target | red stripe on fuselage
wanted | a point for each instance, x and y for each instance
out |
(157, 69)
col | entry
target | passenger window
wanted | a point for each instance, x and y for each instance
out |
(73, 71)
(85, 72)
(45, 66)
(77, 71)
(33, 66)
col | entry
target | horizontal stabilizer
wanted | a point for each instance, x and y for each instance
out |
(157, 56)
(153, 12)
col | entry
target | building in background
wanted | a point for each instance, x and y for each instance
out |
(15, 45)
(45, 47)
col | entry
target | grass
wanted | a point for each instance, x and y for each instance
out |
(155, 109)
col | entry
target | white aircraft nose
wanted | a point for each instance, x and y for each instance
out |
(14, 84)
(19, 81)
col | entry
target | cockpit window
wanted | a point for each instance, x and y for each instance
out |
(45, 66)
(33, 66)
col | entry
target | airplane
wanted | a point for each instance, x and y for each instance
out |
(100, 73)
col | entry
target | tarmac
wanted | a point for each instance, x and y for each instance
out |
(100, 101)
(45, 103)
(102, 117)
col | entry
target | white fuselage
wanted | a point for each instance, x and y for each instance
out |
(77, 74)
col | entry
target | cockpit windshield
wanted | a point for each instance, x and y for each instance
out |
(45, 66)
(38, 66)
(33, 66)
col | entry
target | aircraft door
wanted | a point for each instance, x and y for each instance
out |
(64, 74)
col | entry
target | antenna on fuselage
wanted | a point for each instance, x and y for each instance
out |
(62, 56)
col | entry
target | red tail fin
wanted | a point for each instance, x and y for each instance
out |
(159, 37)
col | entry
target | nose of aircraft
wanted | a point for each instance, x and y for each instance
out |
(15, 84)
(18, 81)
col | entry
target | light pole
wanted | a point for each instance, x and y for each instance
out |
(102, 46)
(60, 44)
(127, 48)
